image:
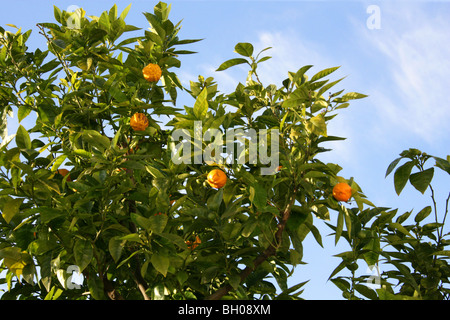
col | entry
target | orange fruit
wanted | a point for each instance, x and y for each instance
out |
(193, 245)
(217, 178)
(64, 172)
(152, 72)
(342, 191)
(139, 121)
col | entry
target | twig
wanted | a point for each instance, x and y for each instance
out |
(268, 252)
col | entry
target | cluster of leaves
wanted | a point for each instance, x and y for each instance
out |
(126, 215)
(414, 254)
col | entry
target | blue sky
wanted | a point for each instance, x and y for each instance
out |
(403, 66)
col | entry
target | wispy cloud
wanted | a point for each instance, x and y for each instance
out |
(414, 43)
(291, 50)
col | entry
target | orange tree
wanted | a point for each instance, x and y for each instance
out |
(412, 253)
(92, 185)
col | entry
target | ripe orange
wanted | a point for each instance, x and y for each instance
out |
(217, 178)
(152, 72)
(139, 121)
(342, 191)
(64, 172)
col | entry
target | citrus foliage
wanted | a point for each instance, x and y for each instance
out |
(412, 254)
(136, 224)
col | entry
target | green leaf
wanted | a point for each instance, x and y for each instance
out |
(83, 153)
(160, 263)
(104, 22)
(230, 63)
(47, 114)
(338, 269)
(155, 172)
(234, 281)
(96, 139)
(23, 111)
(23, 140)
(215, 200)
(425, 212)
(125, 11)
(201, 104)
(350, 96)
(175, 239)
(244, 49)
(442, 253)
(162, 10)
(328, 86)
(392, 165)
(421, 180)
(115, 247)
(182, 276)
(83, 253)
(323, 73)
(339, 226)
(11, 208)
(113, 13)
(231, 230)
(401, 176)
(156, 24)
(407, 273)
(258, 196)
(400, 228)
(95, 285)
(118, 94)
(141, 221)
(57, 14)
(371, 257)
(58, 161)
(298, 96)
(317, 125)
(366, 291)
(47, 214)
(443, 164)
(158, 223)
(116, 138)
(316, 233)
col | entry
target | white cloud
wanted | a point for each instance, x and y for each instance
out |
(415, 44)
(290, 50)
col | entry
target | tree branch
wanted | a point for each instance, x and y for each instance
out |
(268, 252)
(110, 291)
(140, 282)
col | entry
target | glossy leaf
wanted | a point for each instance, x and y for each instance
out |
(160, 262)
(323, 73)
(401, 176)
(244, 49)
(421, 180)
(230, 63)
(422, 214)
(23, 140)
(201, 105)
(11, 208)
(83, 253)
